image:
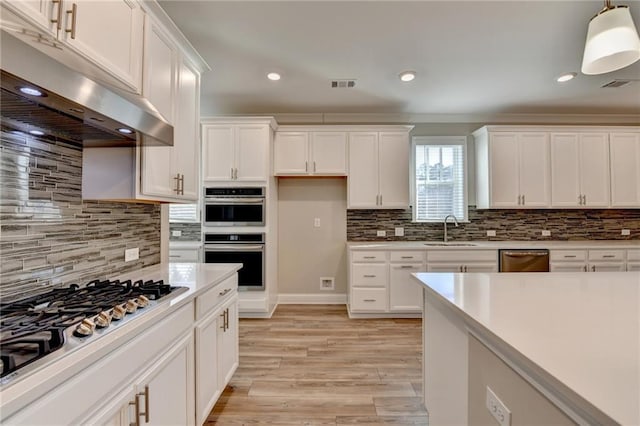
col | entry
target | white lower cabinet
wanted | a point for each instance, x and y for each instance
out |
(633, 260)
(462, 261)
(593, 260)
(405, 294)
(184, 254)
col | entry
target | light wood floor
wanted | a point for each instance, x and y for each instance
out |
(312, 365)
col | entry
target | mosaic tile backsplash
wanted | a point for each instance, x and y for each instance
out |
(511, 225)
(49, 236)
(191, 231)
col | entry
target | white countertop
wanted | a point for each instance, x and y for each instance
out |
(185, 244)
(581, 328)
(74, 356)
(493, 245)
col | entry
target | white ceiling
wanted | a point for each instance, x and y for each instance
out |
(473, 57)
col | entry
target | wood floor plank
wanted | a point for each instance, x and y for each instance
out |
(312, 365)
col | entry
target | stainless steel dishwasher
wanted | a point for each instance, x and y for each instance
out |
(524, 260)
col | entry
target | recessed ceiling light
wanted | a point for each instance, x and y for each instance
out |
(407, 76)
(566, 77)
(36, 132)
(30, 91)
(125, 131)
(273, 76)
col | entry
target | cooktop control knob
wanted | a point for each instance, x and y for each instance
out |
(142, 301)
(103, 319)
(131, 306)
(85, 328)
(118, 312)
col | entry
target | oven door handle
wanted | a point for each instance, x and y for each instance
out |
(233, 247)
(234, 200)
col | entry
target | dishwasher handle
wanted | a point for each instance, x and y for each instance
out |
(524, 253)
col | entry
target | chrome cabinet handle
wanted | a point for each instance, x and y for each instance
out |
(306, 166)
(224, 321)
(407, 267)
(460, 268)
(146, 406)
(584, 200)
(406, 257)
(177, 179)
(226, 290)
(136, 404)
(58, 20)
(523, 199)
(314, 167)
(569, 256)
(380, 199)
(369, 276)
(180, 184)
(235, 173)
(369, 257)
(585, 268)
(74, 14)
(519, 196)
(369, 300)
(593, 268)
(465, 268)
(609, 256)
(579, 199)
(226, 324)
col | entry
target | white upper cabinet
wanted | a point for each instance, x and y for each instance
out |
(580, 169)
(513, 169)
(102, 39)
(379, 169)
(236, 150)
(625, 169)
(310, 153)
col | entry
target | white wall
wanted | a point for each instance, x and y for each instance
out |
(306, 253)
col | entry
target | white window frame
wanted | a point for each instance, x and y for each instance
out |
(439, 141)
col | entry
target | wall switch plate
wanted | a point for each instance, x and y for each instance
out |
(176, 233)
(381, 233)
(316, 222)
(497, 408)
(546, 233)
(131, 254)
(327, 283)
(625, 232)
(491, 233)
(399, 232)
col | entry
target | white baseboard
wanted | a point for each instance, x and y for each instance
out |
(312, 299)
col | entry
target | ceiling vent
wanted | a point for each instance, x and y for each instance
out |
(343, 84)
(617, 83)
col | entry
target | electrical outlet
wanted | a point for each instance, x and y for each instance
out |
(497, 408)
(176, 233)
(625, 232)
(316, 222)
(381, 233)
(491, 233)
(131, 254)
(546, 233)
(327, 283)
(399, 232)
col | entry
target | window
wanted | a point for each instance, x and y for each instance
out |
(183, 213)
(439, 187)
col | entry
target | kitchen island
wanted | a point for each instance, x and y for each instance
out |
(555, 348)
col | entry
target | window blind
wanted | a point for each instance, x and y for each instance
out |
(440, 180)
(183, 213)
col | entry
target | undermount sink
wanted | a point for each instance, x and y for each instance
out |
(451, 244)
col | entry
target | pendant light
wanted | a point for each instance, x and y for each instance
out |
(612, 41)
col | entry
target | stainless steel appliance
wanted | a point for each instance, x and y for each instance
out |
(247, 249)
(234, 206)
(38, 329)
(524, 260)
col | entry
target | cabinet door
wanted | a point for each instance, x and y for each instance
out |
(503, 151)
(110, 34)
(169, 387)
(633, 266)
(444, 267)
(369, 299)
(252, 152)
(594, 169)
(567, 267)
(156, 171)
(565, 170)
(329, 153)
(362, 183)
(534, 169)
(160, 69)
(185, 144)
(38, 12)
(625, 169)
(218, 150)
(291, 156)
(480, 267)
(228, 353)
(405, 294)
(607, 267)
(207, 381)
(393, 157)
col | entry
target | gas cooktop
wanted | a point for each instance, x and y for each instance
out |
(34, 328)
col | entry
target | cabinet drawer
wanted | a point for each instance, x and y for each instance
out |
(568, 255)
(606, 255)
(372, 275)
(184, 255)
(633, 255)
(369, 299)
(212, 297)
(407, 256)
(462, 256)
(368, 256)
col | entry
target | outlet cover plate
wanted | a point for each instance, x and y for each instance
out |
(381, 233)
(491, 233)
(399, 232)
(546, 233)
(625, 232)
(131, 254)
(497, 408)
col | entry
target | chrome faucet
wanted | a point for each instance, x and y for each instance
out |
(455, 221)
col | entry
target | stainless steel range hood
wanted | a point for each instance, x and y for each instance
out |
(72, 106)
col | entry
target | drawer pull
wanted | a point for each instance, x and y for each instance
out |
(569, 256)
(369, 276)
(407, 267)
(369, 257)
(369, 300)
(225, 291)
(174, 256)
(406, 257)
(609, 256)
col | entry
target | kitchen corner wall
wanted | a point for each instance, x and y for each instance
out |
(523, 225)
(49, 236)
